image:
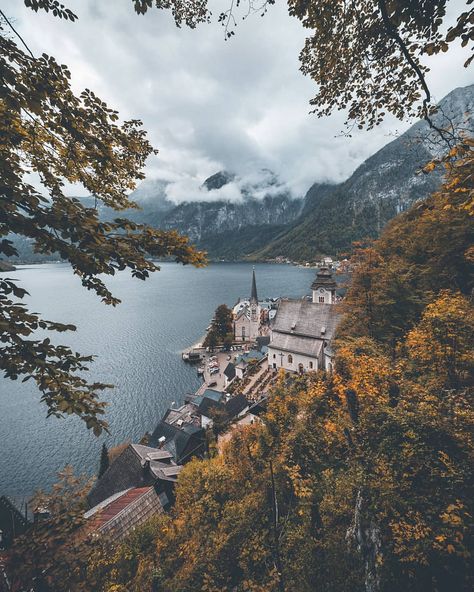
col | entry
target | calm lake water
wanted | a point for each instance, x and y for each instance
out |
(138, 347)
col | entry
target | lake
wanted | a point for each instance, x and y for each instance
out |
(138, 346)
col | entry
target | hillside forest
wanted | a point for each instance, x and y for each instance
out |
(356, 480)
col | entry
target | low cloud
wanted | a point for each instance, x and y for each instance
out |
(257, 184)
(191, 189)
(240, 105)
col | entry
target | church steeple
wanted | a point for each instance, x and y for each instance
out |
(324, 287)
(253, 293)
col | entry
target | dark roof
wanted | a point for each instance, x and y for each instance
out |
(253, 354)
(12, 522)
(306, 318)
(262, 340)
(207, 405)
(236, 405)
(323, 279)
(230, 371)
(259, 407)
(136, 466)
(213, 394)
(253, 293)
(123, 512)
(180, 441)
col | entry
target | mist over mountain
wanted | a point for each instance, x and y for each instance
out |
(255, 215)
(386, 184)
(260, 209)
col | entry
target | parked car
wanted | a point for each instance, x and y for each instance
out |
(214, 371)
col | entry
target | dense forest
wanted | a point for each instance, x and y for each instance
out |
(356, 480)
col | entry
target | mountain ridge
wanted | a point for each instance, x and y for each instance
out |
(384, 185)
(267, 221)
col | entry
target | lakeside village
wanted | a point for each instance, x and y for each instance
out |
(239, 360)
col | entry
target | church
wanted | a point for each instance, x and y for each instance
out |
(303, 329)
(247, 314)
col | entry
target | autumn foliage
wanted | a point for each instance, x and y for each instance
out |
(357, 480)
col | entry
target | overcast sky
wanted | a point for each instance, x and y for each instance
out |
(210, 104)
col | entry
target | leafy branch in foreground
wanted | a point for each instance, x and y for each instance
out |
(49, 132)
(366, 56)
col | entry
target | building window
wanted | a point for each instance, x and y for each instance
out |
(311, 365)
(290, 359)
(243, 332)
(274, 356)
(321, 299)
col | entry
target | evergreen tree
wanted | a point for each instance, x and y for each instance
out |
(104, 460)
(221, 328)
(223, 321)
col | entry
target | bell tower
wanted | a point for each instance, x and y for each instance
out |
(324, 287)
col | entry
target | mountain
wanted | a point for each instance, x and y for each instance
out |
(386, 184)
(259, 218)
(226, 229)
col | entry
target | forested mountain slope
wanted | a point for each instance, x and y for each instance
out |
(386, 184)
(359, 480)
(225, 228)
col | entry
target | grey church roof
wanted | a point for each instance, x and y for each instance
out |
(308, 346)
(306, 318)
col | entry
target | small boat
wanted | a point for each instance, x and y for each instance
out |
(201, 370)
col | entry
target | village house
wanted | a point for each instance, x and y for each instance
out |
(137, 466)
(229, 374)
(253, 356)
(122, 512)
(303, 329)
(180, 433)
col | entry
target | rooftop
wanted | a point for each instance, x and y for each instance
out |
(294, 343)
(137, 466)
(323, 279)
(124, 511)
(306, 318)
(179, 440)
(186, 414)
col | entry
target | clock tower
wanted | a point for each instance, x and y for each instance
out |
(324, 287)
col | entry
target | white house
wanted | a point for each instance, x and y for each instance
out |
(303, 329)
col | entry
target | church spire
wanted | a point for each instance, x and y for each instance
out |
(253, 294)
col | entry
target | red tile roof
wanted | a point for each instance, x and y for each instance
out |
(106, 514)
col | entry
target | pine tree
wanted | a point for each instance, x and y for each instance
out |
(104, 460)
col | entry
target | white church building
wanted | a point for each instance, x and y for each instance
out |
(303, 329)
(247, 315)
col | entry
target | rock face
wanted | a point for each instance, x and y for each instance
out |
(226, 229)
(204, 220)
(364, 535)
(264, 220)
(386, 184)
